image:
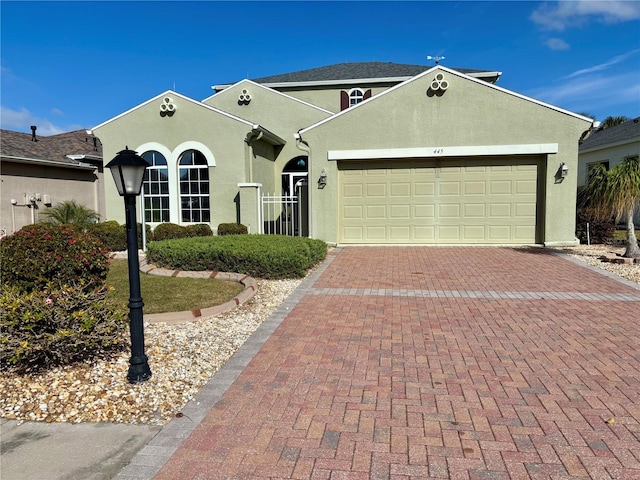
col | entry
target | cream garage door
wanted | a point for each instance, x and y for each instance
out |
(443, 201)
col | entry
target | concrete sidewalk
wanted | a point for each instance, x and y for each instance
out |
(64, 451)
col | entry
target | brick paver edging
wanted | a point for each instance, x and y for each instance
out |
(249, 284)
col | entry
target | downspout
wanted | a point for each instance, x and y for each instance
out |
(304, 146)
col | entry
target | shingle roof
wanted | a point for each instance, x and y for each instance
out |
(625, 131)
(356, 70)
(52, 148)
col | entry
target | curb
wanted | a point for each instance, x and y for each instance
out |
(249, 283)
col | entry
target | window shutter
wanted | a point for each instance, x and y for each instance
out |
(367, 94)
(344, 100)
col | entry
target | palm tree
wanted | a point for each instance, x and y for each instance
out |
(71, 212)
(616, 193)
(613, 121)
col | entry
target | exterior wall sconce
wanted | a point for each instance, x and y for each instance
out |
(322, 181)
(564, 169)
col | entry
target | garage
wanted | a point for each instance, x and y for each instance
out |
(466, 200)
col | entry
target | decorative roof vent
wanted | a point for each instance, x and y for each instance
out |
(244, 98)
(439, 83)
(167, 107)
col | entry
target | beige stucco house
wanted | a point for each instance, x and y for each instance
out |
(38, 172)
(389, 154)
(609, 146)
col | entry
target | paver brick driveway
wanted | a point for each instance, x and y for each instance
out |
(461, 363)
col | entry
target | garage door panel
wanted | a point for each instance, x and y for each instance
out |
(353, 190)
(499, 233)
(376, 233)
(400, 212)
(449, 232)
(376, 212)
(424, 211)
(376, 190)
(448, 188)
(400, 189)
(525, 187)
(352, 212)
(527, 210)
(474, 233)
(449, 210)
(465, 201)
(424, 189)
(475, 210)
(400, 233)
(500, 187)
(477, 187)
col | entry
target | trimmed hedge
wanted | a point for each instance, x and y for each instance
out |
(232, 229)
(261, 256)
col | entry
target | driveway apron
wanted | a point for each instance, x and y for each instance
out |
(428, 362)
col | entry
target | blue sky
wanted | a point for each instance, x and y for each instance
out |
(72, 65)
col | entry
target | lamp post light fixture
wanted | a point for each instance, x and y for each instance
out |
(128, 168)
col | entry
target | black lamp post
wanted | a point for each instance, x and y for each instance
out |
(128, 169)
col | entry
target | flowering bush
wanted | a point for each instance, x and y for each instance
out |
(40, 254)
(47, 328)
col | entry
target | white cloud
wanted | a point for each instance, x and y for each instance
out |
(21, 121)
(565, 14)
(57, 111)
(591, 93)
(603, 66)
(557, 44)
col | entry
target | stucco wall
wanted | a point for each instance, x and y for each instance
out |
(329, 97)
(219, 137)
(61, 184)
(278, 113)
(469, 113)
(614, 155)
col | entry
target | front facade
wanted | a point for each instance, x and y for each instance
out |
(39, 172)
(390, 154)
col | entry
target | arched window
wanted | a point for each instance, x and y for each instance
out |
(156, 188)
(194, 187)
(355, 96)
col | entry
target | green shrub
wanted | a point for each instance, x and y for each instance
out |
(169, 231)
(47, 328)
(112, 234)
(41, 254)
(149, 233)
(601, 229)
(199, 230)
(232, 229)
(262, 256)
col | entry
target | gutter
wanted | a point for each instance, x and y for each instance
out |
(50, 163)
(260, 133)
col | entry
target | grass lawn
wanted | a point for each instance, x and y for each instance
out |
(170, 294)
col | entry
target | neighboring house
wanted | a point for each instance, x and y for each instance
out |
(39, 172)
(393, 154)
(609, 146)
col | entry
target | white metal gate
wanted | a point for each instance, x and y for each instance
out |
(281, 215)
(284, 214)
